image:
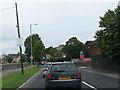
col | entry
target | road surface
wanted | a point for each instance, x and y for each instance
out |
(90, 81)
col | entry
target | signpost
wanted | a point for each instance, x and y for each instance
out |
(19, 39)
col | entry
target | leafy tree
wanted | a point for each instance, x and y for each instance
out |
(37, 47)
(50, 50)
(108, 37)
(9, 59)
(73, 47)
(55, 54)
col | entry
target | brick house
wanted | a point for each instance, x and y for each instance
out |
(92, 48)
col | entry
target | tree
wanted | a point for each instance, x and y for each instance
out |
(10, 59)
(55, 54)
(50, 50)
(37, 47)
(73, 47)
(108, 37)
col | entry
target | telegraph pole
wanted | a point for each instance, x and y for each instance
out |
(19, 38)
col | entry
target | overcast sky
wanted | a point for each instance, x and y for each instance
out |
(57, 21)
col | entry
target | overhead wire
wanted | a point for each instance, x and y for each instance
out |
(7, 8)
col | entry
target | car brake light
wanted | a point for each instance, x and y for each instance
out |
(48, 76)
(78, 75)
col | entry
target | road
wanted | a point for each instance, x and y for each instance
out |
(90, 80)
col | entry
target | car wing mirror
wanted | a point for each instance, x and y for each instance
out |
(46, 69)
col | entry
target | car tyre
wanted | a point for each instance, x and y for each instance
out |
(43, 76)
(47, 88)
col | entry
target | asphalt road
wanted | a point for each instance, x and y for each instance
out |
(99, 80)
(90, 80)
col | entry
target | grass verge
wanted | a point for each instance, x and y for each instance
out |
(14, 80)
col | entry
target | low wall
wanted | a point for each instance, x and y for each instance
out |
(12, 66)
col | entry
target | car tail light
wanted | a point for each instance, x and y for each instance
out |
(48, 76)
(78, 75)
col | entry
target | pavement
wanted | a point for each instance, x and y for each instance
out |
(108, 73)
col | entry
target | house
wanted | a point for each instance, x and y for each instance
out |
(92, 48)
(16, 59)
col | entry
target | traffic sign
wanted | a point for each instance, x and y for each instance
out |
(31, 57)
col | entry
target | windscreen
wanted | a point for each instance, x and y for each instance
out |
(65, 67)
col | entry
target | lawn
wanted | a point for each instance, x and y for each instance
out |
(14, 80)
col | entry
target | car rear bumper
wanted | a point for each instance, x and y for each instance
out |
(63, 83)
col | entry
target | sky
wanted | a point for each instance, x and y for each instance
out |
(58, 20)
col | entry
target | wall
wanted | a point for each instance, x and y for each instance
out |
(100, 62)
(12, 66)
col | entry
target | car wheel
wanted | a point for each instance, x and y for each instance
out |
(79, 88)
(43, 76)
(47, 88)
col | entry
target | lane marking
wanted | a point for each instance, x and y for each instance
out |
(89, 85)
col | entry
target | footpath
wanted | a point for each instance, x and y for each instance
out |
(108, 73)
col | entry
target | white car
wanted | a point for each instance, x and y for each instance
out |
(45, 68)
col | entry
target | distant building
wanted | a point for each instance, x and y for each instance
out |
(59, 47)
(92, 48)
(4, 59)
(16, 59)
(48, 56)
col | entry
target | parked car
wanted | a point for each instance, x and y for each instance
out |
(45, 68)
(63, 75)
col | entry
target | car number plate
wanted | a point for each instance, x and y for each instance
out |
(64, 78)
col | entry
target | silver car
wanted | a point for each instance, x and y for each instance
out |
(45, 68)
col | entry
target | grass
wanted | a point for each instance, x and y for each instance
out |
(14, 80)
(0, 83)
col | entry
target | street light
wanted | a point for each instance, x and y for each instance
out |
(31, 57)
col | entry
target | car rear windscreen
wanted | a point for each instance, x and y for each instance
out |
(65, 67)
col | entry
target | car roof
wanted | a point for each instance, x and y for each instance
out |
(49, 63)
(61, 62)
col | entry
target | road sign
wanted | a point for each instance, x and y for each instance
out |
(31, 57)
(19, 42)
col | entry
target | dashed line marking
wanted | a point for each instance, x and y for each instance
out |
(89, 85)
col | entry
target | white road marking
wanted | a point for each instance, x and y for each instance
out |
(89, 85)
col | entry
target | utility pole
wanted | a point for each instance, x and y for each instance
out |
(19, 38)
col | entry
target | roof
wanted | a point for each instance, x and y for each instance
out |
(89, 42)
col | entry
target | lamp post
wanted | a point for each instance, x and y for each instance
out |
(31, 57)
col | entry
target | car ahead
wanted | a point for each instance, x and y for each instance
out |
(45, 68)
(63, 75)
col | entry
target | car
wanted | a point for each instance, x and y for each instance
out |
(45, 68)
(63, 75)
